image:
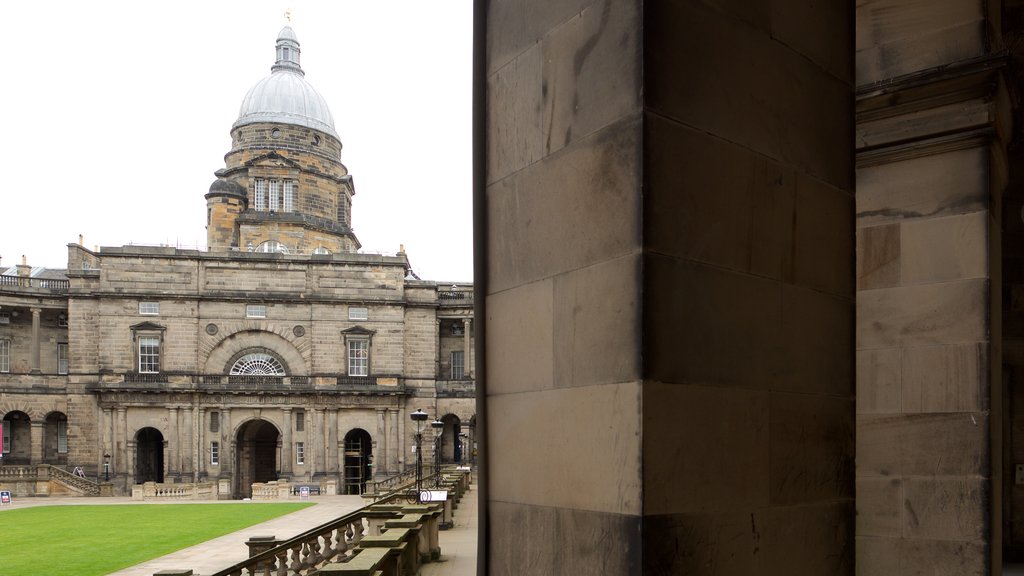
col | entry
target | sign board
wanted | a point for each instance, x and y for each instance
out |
(433, 495)
(304, 492)
(5, 497)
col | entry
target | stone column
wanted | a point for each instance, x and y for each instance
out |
(380, 459)
(36, 429)
(171, 468)
(286, 442)
(438, 361)
(35, 340)
(674, 327)
(331, 441)
(395, 442)
(123, 456)
(202, 447)
(227, 449)
(314, 448)
(108, 440)
(467, 354)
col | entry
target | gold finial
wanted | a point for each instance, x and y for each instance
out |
(288, 15)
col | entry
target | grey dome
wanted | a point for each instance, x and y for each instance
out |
(224, 186)
(285, 96)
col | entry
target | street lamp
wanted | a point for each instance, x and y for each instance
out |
(437, 425)
(419, 416)
(106, 467)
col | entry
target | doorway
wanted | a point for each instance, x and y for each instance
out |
(257, 461)
(149, 456)
(358, 458)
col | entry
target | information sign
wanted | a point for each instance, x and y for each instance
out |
(5, 497)
(304, 492)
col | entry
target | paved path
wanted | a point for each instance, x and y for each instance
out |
(458, 545)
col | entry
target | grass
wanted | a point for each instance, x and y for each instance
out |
(87, 540)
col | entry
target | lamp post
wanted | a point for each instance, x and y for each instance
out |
(419, 416)
(438, 427)
(106, 467)
(463, 439)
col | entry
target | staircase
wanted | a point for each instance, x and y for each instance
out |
(82, 486)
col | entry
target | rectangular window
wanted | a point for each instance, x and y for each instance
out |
(272, 198)
(458, 365)
(260, 195)
(62, 358)
(358, 357)
(355, 313)
(149, 308)
(149, 355)
(300, 421)
(62, 437)
(5, 355)
(300, 453)
(214, 421)
(215, 453)
(62, 321)
(255, 311)
(458, 329)
(289, 196)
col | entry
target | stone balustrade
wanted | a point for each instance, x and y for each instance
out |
(149, 491)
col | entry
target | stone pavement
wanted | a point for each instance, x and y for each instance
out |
(458, 545)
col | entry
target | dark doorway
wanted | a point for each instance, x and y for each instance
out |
(257, 455)
(17, 438)
(149, 456)
(55, 439)
(451, 448)
(358, 458)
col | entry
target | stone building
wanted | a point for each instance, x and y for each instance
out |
(281, 352)
(772, 287)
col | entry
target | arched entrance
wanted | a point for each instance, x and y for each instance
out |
(358, 456)
(256, 449)
(451, 449)
(17, 438)
(149, 456)
(55, 438)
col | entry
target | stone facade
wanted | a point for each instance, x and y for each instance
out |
(279, 353)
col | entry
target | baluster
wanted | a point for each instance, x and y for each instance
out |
(359, 531)
(296, 562)
(281, 561)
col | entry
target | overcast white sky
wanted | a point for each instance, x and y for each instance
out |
(116, 115)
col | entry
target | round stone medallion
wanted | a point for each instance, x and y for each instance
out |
(211, 329)
(299, 331)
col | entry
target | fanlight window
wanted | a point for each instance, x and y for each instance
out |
(257, 365)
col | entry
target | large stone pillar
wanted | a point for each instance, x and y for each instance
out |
(36, 430)
(315, 446)
(331, 442)
(467, 354)
(668, 287)
(227, 447)
(380, 460)
(286, 443)
(123, 456)
(35, 341)
(931, 171)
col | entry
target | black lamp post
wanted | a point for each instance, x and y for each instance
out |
(106, 467)
(438, 426)
(419, 416)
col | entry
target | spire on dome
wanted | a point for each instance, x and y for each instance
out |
(287, 52)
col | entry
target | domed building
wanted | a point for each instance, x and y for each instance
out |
(279, 354)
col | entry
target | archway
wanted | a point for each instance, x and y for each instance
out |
(149, 456)
(17, 438)
(55, 438)
(256, 450)
(451, 449)
(358, 458)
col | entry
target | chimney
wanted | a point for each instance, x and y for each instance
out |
(24, 271)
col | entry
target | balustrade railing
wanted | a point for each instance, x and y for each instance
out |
(54, 285)
(307, 551)
(455, 297)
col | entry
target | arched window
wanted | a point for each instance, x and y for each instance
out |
(257, 364)
(321, 250)
(272, 246)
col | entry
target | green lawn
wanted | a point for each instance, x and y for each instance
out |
(87, 540)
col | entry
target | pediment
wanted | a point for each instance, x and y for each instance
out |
(271, 160)
(147, 327)
(358, 331)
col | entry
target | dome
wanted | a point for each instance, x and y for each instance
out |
(285, 96)
(223, 186)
